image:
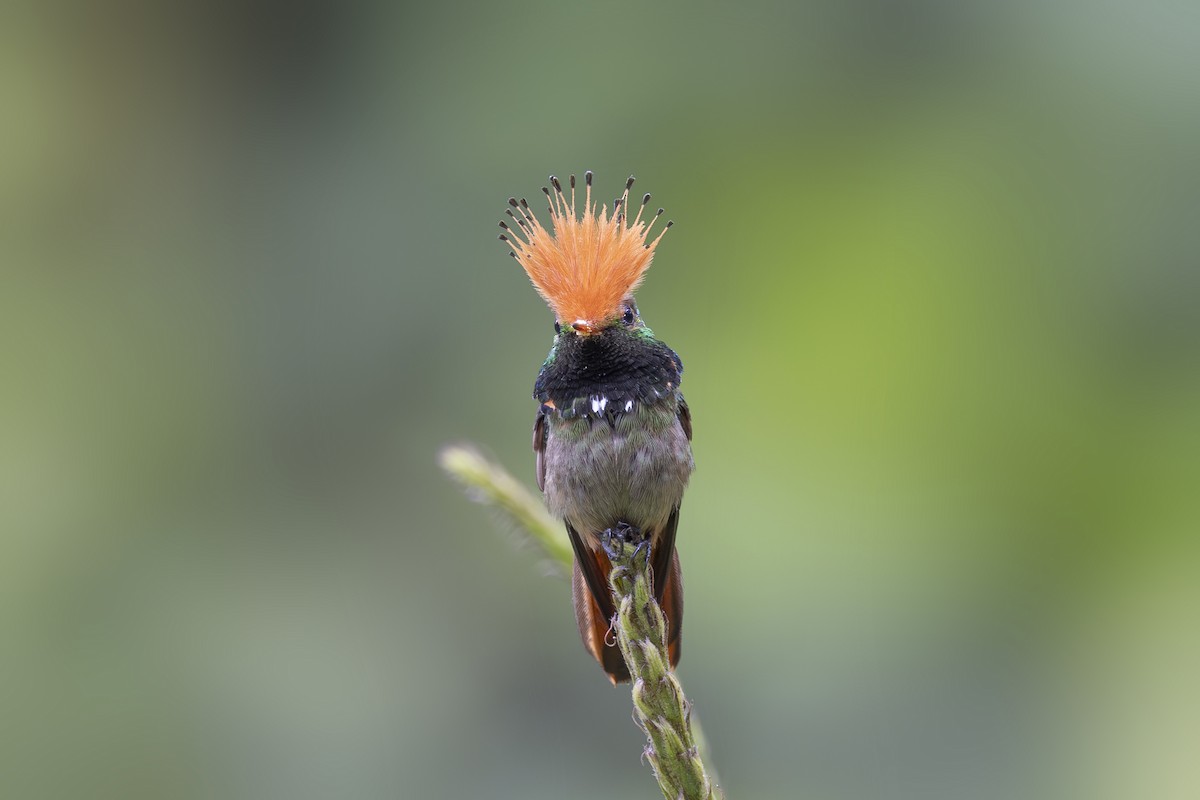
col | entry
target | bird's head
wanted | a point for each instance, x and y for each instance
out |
(588, 263)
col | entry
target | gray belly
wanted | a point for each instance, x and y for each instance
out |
(598, 475)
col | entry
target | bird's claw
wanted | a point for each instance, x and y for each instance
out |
(616, 538)
(629, 534)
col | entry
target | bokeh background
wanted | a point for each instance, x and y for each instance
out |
(935, 279)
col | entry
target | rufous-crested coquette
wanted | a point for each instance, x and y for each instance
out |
(613, 433)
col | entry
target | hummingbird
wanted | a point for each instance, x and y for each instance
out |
(612, 434)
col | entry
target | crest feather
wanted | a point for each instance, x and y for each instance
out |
(586, 263)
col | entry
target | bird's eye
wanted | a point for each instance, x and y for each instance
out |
(630, 315)
(557, 327)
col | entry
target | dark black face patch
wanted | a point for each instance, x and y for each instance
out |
(617, 364)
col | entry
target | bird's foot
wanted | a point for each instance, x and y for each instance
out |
(617, 539)
(629, 534)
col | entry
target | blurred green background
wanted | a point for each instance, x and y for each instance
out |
(935, 278)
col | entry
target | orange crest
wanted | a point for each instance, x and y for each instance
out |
(584, 265)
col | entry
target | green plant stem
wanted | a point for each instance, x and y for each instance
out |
(674, 739)
(492, 485)
(660, 706)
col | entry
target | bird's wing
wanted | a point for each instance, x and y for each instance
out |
(685, 417)
(594, 566)
(539, 448)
